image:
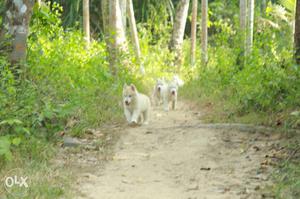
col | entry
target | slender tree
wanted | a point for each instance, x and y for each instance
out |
(250, 27)
(15, 29)
(86, 21)
(117, 38)
(243, 23)
(105, 10)
(297, 32)
(123, 9)
(178, 30)
(194, 31)
(134, 34)
(263, 7)
(204, 36)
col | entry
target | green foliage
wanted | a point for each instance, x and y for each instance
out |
(267, 82)
(289, 4)
(5, 152)
(61, 80)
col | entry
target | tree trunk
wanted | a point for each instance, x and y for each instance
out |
(116, 35)
(263, 7)
(250, 26)
(243, 30)
(297, 32)
(178, 30)
(134, 34)
(194, 32)
(204, 38)
(123, 5)
(105, 10)
(15, 29)
(86, 21)
(243, 18)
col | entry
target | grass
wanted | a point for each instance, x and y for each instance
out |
(220, 106)
(287, 173)
(45, 180)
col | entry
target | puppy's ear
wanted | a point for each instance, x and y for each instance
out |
(125, 85)
(133, 88)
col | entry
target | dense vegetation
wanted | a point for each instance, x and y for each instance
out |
(62, 80)
(266, 82)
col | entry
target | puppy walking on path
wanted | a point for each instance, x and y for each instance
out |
(172, 95)
(136, 105)
(159, 92)
(167, 92)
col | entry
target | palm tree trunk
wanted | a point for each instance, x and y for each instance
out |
(178, 30)
(204, 38)
(250, 26)
(297, 32)
(134, 34)
(86, 21)
(194, 31)
(15, 29)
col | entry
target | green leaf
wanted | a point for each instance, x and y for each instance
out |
(16, 141)
(11, 122)
(5, 147)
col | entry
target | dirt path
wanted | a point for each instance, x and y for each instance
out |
(159, 161)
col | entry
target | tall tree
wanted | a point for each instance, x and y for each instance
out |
(86, 20)
(204, 36)
(250, 27)
(114, 32)
(263, 7)
(123, 9)
(194, 31)
(15, 29)
(178, 30)
(297, 32)
(243, 23)
(105, 10)
(134, 34)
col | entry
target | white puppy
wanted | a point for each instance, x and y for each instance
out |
(172, 94)
(173, 90)
(136, 105)
(159, 92)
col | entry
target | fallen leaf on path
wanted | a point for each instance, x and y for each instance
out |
(205, 168)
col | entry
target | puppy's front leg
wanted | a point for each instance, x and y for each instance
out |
(135, 117)
(127, 115)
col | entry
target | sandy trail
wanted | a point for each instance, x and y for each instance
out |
(159, 161)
